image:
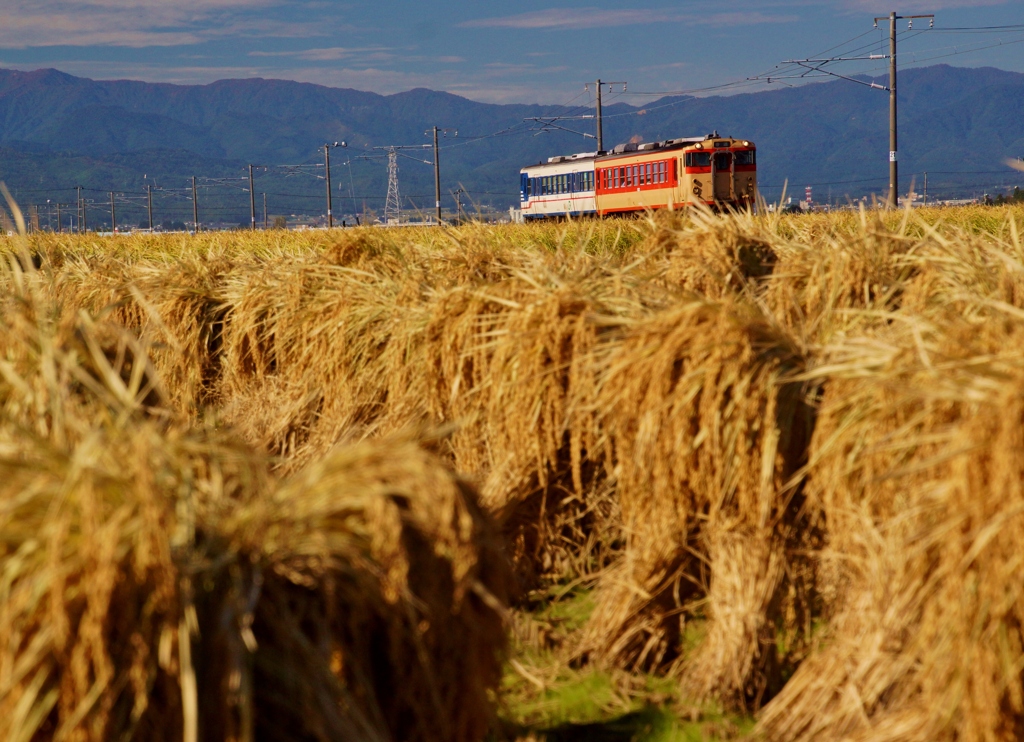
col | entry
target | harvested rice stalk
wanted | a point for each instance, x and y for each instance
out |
(156, 584)
(916, 470)
(703, 431)
(702, 253)
(819, 284)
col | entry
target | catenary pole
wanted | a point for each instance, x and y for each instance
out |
(327, 167)
(600, 131)
(437, 180)
(195, 208)
(894, 177)
(252, 200)
(113, 215)
(265, 211)
(149, 205)
(58, 218)
(894, 173)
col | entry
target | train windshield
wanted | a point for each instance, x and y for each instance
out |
(698, 159)
(745, 157)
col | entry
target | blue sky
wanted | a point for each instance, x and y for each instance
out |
(499, 52)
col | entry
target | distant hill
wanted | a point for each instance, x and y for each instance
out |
(57, 130)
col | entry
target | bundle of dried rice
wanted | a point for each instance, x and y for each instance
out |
(968, 274)
(156, 584)
(708, 254)
(175, 304)
(916, 469)
(704, 432)
(821, 285)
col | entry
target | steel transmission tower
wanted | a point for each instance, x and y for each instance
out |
(393, 203)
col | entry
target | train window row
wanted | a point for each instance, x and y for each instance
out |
(628, 176)
(549, 185)
(703, 159)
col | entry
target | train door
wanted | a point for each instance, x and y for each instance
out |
(722, 174)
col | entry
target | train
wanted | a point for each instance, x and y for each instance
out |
(719, 172)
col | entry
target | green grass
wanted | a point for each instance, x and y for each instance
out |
(546, 695)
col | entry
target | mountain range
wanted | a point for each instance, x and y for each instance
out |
(58, 131)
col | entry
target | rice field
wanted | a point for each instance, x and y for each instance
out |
(686, 477)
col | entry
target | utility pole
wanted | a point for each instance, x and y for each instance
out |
(437, 170)
(894, 180)
(113, 216)
(264, 211)
(195, 208)
(81, 210)
(252, 200)
(327, 167)
(437, 180)
(926, 188)
(149, 205)
(600, 120)
(58, 218)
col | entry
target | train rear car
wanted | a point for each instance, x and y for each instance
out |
(560, 187)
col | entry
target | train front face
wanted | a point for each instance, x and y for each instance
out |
(720, 172)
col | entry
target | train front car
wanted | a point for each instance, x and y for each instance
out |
(561, 187)
(719, 172)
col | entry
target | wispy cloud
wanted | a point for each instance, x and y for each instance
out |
(583, 18)
(35, 23)
(883, 7)
(334, 54)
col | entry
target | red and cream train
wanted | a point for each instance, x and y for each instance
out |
(720, 172)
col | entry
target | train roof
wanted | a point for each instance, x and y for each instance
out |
(631, 148)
